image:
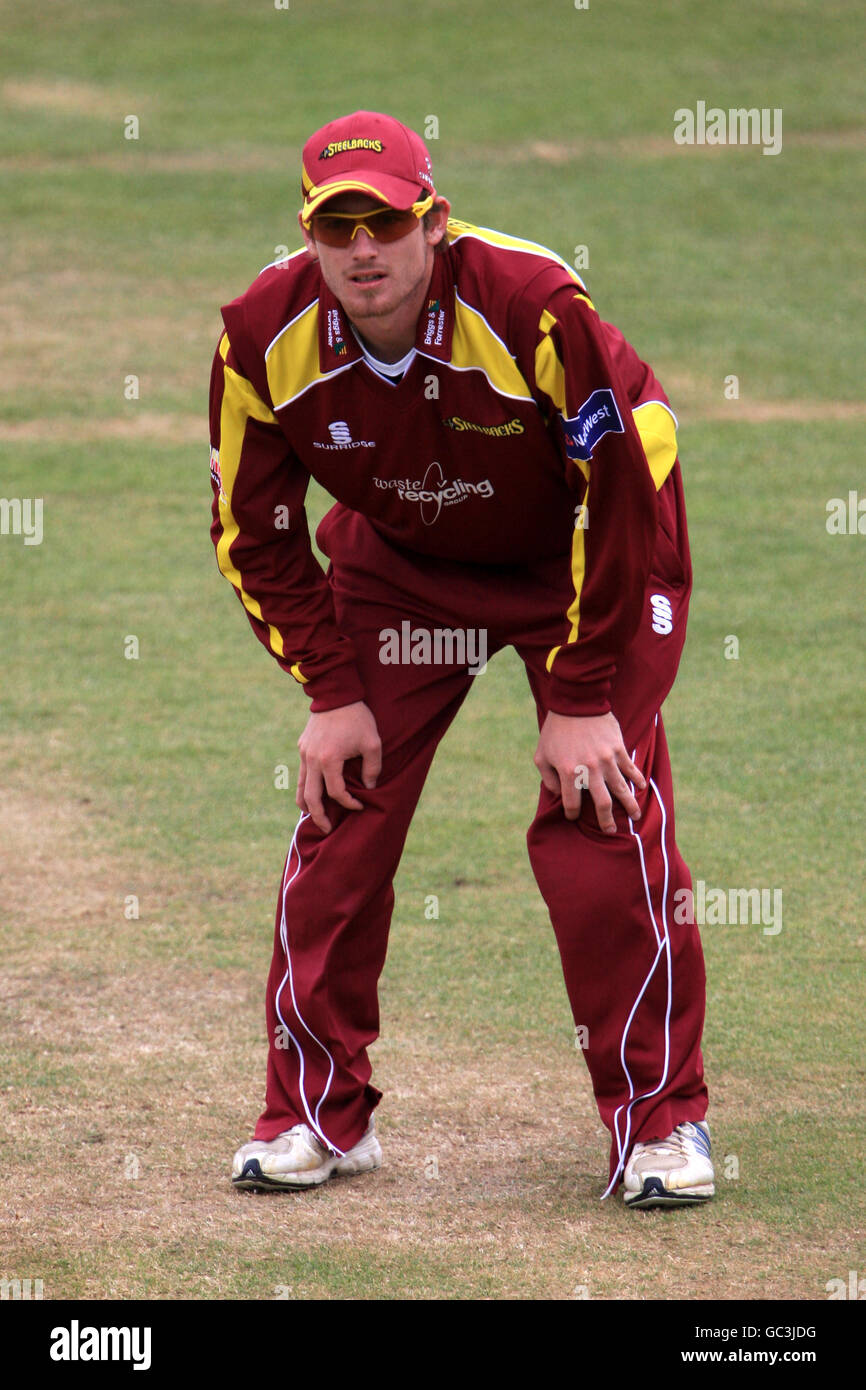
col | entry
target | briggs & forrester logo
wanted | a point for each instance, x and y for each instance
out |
(336, 337)
(433, 492)
(434, 329)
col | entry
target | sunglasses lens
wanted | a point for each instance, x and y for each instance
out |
(392, 225)
(388, 225)
(331, 231)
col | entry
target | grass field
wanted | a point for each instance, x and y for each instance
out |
(133, 1047)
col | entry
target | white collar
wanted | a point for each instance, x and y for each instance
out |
(387, 369)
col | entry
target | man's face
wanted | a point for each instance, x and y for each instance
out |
(372, 278)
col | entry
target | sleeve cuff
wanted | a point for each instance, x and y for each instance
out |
(335, 689)
(586, 699)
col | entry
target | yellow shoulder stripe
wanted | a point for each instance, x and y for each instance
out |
(240, 403)
(549, 371)
(657, 427)
(292, 360)
(550, 374)
(475, 344)
(456, 229)
(578, 571)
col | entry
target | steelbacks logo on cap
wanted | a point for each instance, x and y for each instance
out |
(367, 152)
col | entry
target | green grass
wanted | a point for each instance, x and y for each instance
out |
(155, 776)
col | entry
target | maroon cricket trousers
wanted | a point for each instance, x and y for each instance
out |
(634, 976)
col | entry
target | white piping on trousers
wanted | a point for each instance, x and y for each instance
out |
(663, 946)
(284, 937)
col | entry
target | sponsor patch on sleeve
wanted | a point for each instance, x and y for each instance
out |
(597, 417)
(216, 473)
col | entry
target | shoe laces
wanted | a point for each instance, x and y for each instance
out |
(300, 1131)
(674, 1144)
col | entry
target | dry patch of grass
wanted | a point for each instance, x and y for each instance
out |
(130, 1081)
(642, 146)
(762, 412)
(694, 401)
(65, 97)
(171, 428)
(73, 335)
(241, 159)
(246, 159)
(751, 412)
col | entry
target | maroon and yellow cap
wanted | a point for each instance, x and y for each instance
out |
(367, 152)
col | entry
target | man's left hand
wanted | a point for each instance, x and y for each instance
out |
(576, 751)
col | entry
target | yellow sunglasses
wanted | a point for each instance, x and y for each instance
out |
(390, 224)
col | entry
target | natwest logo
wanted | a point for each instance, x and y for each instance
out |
(341, 438)
(599, 415)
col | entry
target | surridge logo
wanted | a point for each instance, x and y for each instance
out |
(662, 614)
(433, 492)
(345, 146)
(341, 438)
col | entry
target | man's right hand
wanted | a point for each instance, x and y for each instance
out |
(328, 741)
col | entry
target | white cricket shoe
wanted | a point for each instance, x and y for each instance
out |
(671, 1172)
(296, 1158)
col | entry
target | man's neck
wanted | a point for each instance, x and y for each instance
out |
(384, 347)
(390, 336)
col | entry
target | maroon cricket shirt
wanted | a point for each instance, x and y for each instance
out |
(523, 428)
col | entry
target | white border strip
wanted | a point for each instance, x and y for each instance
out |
(664, 947)
(328, 376)
(283, 260)
(284, 938)
(664, 405)
(527, 248)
